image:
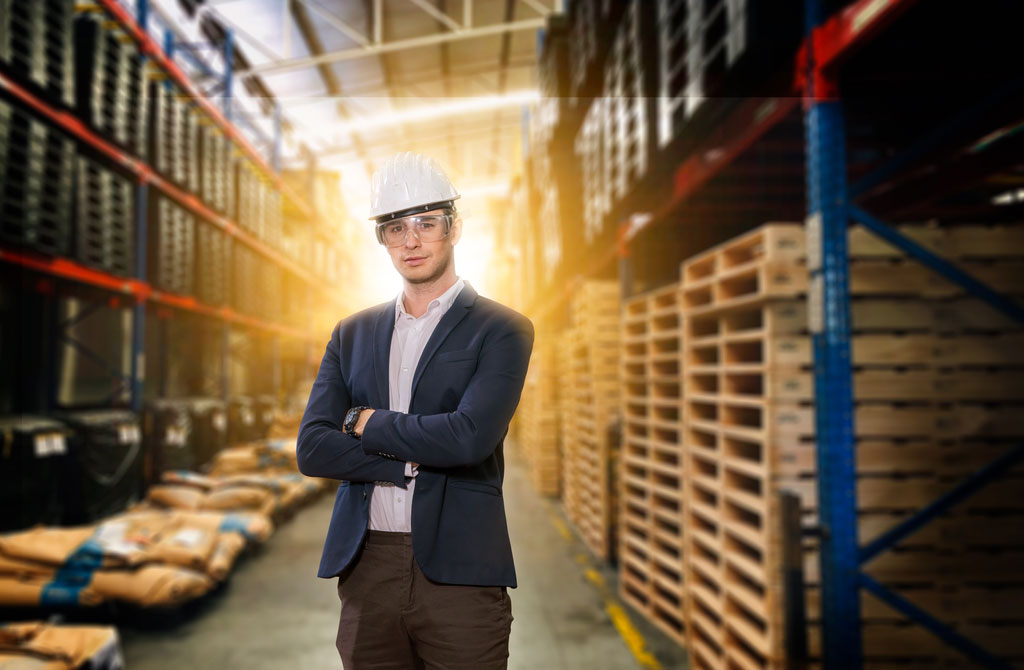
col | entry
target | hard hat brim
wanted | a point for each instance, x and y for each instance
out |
(418, 209)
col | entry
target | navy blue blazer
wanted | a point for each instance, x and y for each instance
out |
(464, 391)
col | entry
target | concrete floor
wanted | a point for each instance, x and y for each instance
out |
(274, 613)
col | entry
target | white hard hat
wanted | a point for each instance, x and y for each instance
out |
(408, 183)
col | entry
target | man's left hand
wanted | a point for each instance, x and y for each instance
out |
(364, 416)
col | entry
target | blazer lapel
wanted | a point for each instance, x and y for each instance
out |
(382, 331)
(458, 311)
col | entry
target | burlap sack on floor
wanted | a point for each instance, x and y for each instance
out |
(152, 585)
(93, 545)
(187, 478)
(253, 526)
(24, 569)
(166, 538)
(12, 661)
(175, 496)
(147, 586)
(41, 591)
(37, 645)
(242, 498)
(240, 459)
(229, 548)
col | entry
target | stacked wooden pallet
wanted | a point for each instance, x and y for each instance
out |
(925, 389)
(538, 428)
(591, 423)
(650, 541)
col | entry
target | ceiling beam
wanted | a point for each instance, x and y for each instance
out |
(326, 72)
(503, 58)
(389, 47)
(439, 14)
(333, 19)
(423, 80)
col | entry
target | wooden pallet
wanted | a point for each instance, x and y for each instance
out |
(650, 509)
(592, 389)
(539, 433)
(929, 388)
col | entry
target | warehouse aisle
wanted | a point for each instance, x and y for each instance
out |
(276, 614)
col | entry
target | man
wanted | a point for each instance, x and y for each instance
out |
(409, 410)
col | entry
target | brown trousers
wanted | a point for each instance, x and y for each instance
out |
(394, 618)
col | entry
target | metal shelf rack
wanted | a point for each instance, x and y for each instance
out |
(831, 208)
(137, 287)
(841, 187)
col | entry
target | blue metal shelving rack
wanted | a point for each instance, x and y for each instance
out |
(829, 213)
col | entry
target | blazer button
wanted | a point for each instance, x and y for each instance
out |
(364, 494)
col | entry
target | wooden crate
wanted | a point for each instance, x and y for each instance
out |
(590, 353)
(930, 387)
(651, 497)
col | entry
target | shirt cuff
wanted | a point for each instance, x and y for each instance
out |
(410, 469)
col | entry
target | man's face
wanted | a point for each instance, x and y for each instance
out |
(423, 262)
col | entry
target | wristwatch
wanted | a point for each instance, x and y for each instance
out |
(351, 419)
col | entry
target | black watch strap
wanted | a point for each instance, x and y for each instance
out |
(351, 419)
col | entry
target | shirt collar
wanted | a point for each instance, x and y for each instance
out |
(444, 300)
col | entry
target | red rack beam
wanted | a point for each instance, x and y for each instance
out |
(844, 33)
(142, 291)
(146, 174)
(751, 120)
(152, 50)
(67, 269)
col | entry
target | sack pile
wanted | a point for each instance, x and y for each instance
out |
(267, 456)
(35, 645)
(284, 425)
(273, 494)
(143, 557)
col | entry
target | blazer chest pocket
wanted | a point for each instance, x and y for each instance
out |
(458, 356)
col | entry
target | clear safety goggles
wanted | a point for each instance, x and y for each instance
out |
(426, 228)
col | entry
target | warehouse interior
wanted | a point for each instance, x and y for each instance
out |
(772, 252)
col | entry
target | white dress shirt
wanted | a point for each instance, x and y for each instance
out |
(390, 505)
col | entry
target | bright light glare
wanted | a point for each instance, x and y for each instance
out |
(439, 110)
(493, 188)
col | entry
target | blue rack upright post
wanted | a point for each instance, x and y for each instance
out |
(829, 214)
(829, 320)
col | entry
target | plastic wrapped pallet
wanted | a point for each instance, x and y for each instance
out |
(105, 218)
(107, 463)
(209, 427)
(263, 415)
(168, 430)
(36, 46)
(33, 455)
(37, 171)
(241, 420)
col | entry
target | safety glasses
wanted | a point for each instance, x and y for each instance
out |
(426, 228)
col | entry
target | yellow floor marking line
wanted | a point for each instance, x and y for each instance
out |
(630, 635)
(562, 529)
(634, 640)
(595, 577)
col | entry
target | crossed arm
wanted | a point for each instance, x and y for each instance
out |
(323, 449)
(469, 434)
(465, 436)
